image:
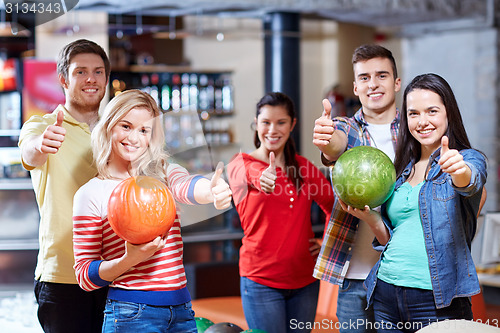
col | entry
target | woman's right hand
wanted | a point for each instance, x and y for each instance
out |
(137, 253)
(109, 270)
(268, 177)
(366, 214)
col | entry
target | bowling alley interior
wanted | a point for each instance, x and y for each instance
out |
(207, 64)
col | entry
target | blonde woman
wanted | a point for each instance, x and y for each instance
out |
(147, 283)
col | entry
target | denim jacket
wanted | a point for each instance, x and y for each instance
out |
(449, 219)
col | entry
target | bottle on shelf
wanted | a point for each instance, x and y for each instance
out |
(210, 94)
(193, 91)
(176, 93)
(218, 95)
(165, 91)
(203, 93)
(227, 95)
(185, 92)
(144, 80)
(153, 91)
(200, 103)
(155, 80)
(165, 97)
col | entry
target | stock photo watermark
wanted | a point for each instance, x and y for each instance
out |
(38, 11)
(362, 324)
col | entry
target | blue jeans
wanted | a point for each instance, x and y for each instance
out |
(401, 309)
(279, 310)
(66, 308)
(136, 317)
(351, 305)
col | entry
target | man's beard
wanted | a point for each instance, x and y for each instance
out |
(86, 106)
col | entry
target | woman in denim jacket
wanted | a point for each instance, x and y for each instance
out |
(425, 272)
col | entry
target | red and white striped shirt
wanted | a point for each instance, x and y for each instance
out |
(94, 240)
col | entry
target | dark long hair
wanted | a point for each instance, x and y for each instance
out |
(408, 148)
(291, 163)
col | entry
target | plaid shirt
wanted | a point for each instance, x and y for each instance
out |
(340, 233)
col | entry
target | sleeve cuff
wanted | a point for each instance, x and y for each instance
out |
(191, 188)
(94, 274)
(325, 161)
(377, 246)
(467, 189)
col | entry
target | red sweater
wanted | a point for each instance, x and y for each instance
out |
(277, 226)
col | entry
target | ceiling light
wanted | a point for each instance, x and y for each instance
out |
(138, 20)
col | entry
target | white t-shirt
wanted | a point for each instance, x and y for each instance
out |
(381, 138)
(364, 257)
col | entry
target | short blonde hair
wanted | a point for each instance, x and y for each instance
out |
(154, 162)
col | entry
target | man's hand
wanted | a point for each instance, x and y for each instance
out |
(330, 142)
(53, 136)
(323, 127)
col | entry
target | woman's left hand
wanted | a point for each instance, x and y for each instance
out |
(220, 189)
(315, 246)
(451, 161)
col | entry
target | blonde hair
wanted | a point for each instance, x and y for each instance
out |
(154, 161)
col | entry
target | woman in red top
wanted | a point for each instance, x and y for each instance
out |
(273, 188)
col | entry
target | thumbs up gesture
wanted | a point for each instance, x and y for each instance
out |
(53, 136)
(268, 177)
(451, 161)
(323, 127)
(220, 189)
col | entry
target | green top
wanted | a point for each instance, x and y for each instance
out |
(404, 261)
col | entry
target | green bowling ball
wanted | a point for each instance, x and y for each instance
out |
(202, 324)
(362, 176)
(224, 328)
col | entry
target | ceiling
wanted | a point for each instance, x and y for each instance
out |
(366, 12)
(408, 16)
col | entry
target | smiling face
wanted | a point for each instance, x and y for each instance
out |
(130, 136)
(273, 127)
(427, 118)
(85, 85)
(375, 85)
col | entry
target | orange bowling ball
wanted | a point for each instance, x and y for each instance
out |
(140, 209)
